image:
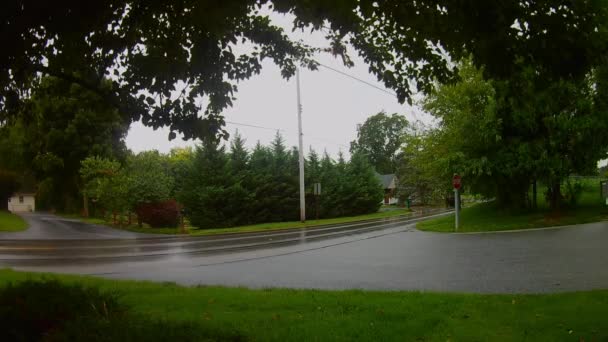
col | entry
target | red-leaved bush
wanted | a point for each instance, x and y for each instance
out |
(159, 214)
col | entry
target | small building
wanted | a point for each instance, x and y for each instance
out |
(389, 184)
(22, 202)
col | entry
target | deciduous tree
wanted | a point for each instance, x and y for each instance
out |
(380, 139)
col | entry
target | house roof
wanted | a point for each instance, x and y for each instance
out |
(386, 180)
(23, 193)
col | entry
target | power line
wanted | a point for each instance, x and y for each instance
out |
(315, 138)
(413, 113)
(358, 79)
(255, 126)
(366, 83)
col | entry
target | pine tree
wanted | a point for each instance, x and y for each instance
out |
(239, 157)
(204, 195)
(330, 183)
(260, 165)
(313, 167)
(239, 192)
(362, 190)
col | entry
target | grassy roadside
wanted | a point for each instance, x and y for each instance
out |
(250, 228)
(312, 315)
(298, 224)
(91, 220)
(11, 222)
(487, 217)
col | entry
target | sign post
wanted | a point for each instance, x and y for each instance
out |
(317, 193)
(456, 182)
(604, 190)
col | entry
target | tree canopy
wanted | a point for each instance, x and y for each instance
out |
(58, 126)
(501, 144)
(163, 57)
(380, 138)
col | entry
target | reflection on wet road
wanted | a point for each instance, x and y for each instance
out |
(387, 254)
(36, 251)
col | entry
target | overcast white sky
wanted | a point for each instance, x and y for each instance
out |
(332, 104)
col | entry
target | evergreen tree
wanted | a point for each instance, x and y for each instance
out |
(313, 167)
(236, 188)
(284, 194)
(240, 192)
(262, 183)
(239, 157)
(361, 190)
(206, 188)
(330, 183)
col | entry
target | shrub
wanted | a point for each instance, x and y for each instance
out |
(159, 214)
(572, 191)
(139, 328)
(31, 310)
(50, 310)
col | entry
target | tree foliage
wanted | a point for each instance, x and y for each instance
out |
(239, 187)
(149, 178)
(9, 183)
(105, 183)
(144, 181)
(500, 143)
(163, 57)
(380, 139)
(59, 125)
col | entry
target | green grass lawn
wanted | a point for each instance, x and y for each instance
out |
(250, 228)
(91, 220)
(488, 217)
(298, 224)
(313, 315)
(11, 222)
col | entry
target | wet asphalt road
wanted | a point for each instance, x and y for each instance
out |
(44, 226)
(387, 254)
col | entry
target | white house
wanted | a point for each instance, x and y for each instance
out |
(21, 202)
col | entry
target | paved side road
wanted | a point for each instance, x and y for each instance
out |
(44, 226)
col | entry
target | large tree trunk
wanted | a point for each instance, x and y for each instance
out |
(85, 205)
(513, 197)
(555, 196)
(534, 202)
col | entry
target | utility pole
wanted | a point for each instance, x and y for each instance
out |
(457, 208)
(301, 152)
(457, 184)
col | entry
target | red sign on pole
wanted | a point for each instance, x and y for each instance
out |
(456, 181)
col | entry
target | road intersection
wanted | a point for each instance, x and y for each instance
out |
(387, 254)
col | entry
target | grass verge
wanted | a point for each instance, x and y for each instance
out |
(488, 217)
(11, 222)
(250, 228)
(312, 315)
(298, 224)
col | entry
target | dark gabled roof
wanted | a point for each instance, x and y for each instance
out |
(22, 193)
(385, 180)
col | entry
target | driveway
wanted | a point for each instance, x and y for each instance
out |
(44, 226)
